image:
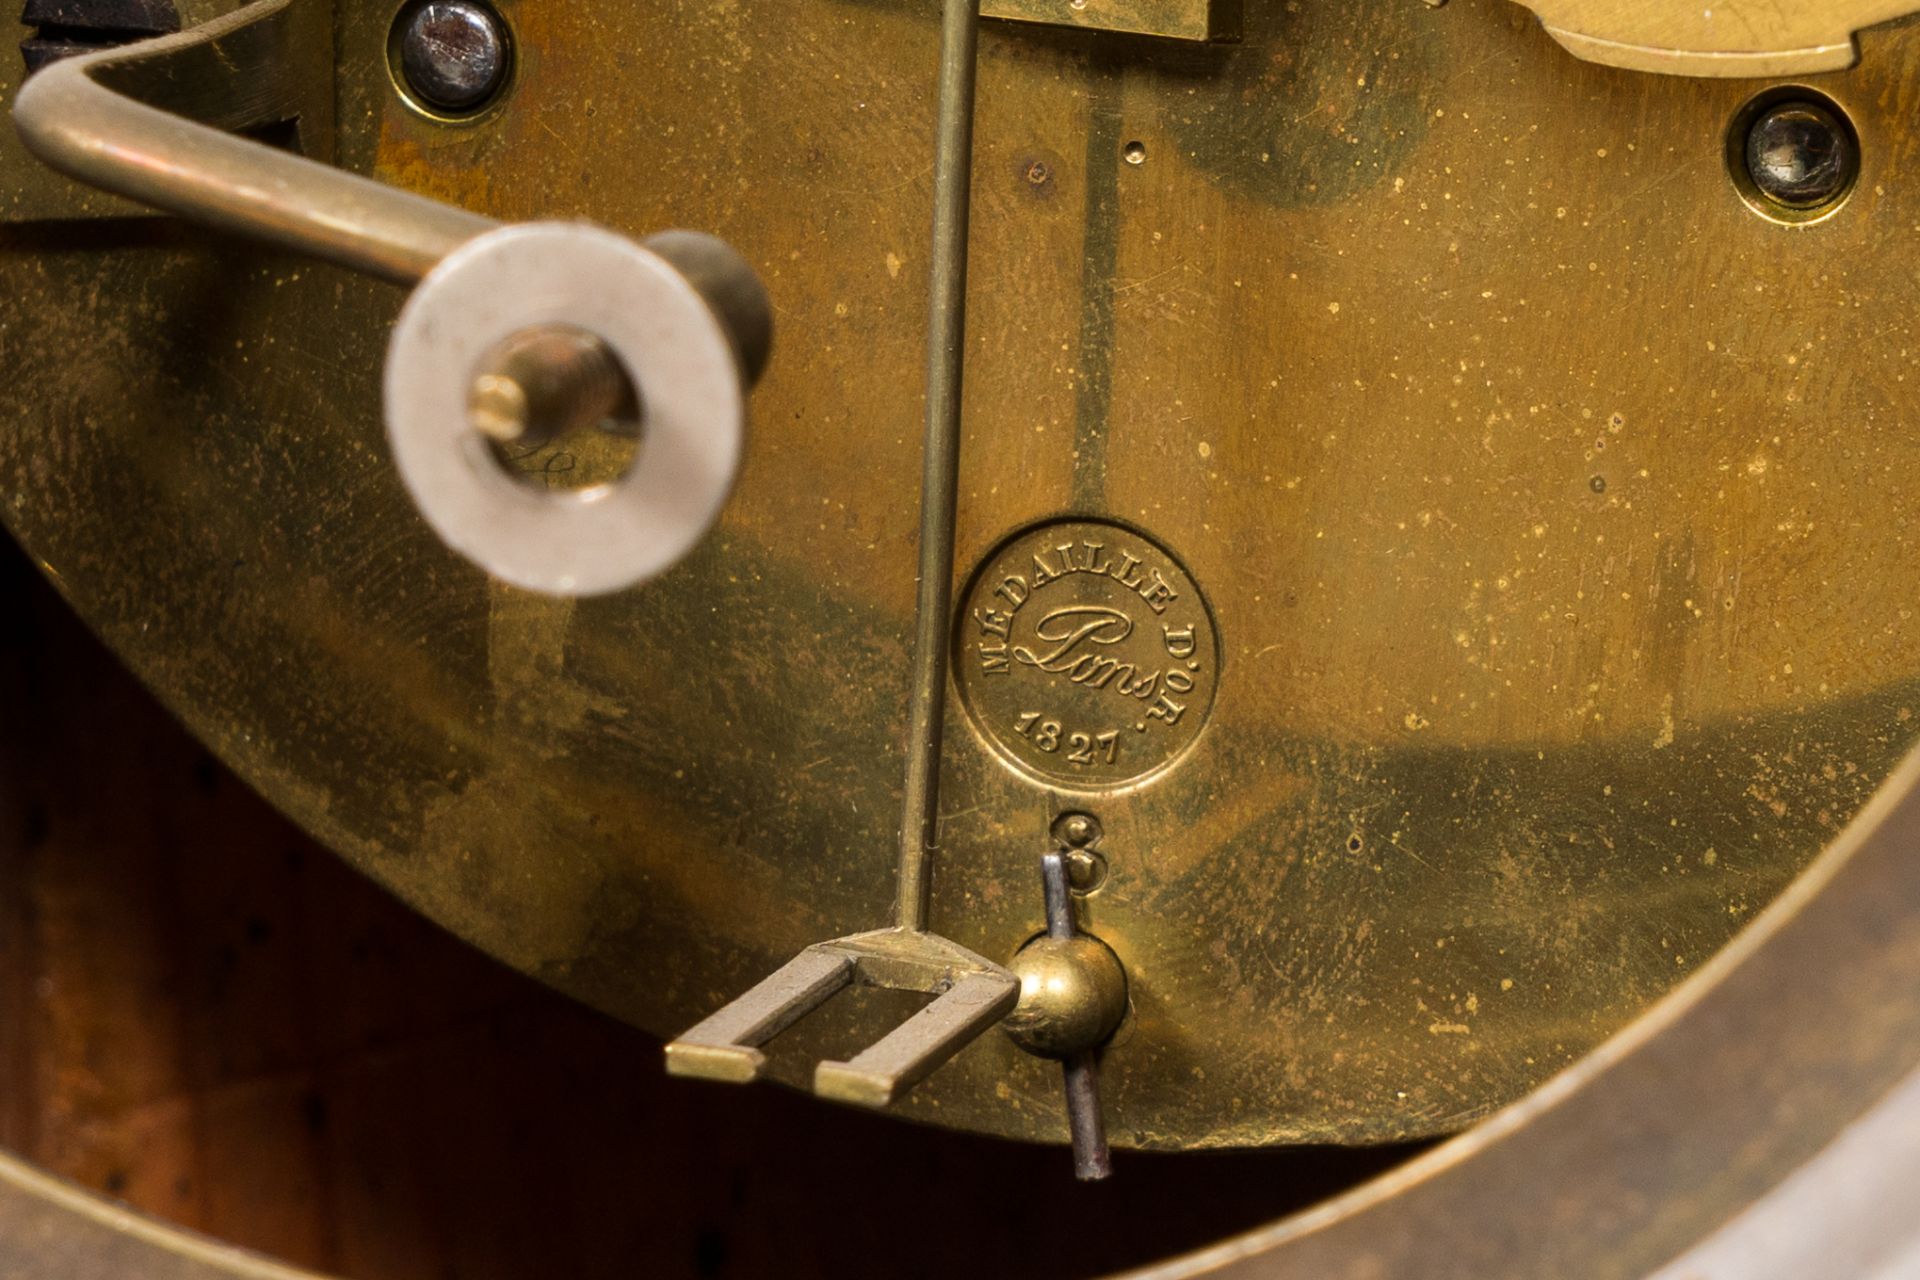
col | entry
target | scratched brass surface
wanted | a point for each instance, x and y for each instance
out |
(1553, 509)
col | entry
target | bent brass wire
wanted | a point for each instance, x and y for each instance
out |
(127, 121)
(148, 121)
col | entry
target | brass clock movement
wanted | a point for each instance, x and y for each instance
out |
(1290, 573)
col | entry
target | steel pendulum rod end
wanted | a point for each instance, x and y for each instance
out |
(1092, 1161)
(1073, 995)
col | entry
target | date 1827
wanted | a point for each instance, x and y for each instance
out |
(1083, 749)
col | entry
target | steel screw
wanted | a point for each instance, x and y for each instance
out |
(542, 383)
(1800, 156)
(454, 54)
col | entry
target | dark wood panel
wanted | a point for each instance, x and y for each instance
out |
(207, 1015)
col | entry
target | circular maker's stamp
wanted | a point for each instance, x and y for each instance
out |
(1087, 655)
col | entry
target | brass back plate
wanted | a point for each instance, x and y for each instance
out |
(1553, 513)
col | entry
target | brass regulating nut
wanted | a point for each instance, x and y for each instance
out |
(1073, 993)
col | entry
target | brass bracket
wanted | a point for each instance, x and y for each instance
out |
(970, 995)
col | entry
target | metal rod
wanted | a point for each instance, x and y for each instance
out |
(1091, 1159)
(946, 352)
(109, 140)
(542, 383)
(1055, 884)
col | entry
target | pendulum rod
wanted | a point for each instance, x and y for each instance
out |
(946, 359)
(969, 993)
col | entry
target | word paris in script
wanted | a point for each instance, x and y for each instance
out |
(1088, 655)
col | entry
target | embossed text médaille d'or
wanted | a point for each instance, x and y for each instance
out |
(1091, 640)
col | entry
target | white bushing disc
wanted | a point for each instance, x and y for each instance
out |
(677, 351)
